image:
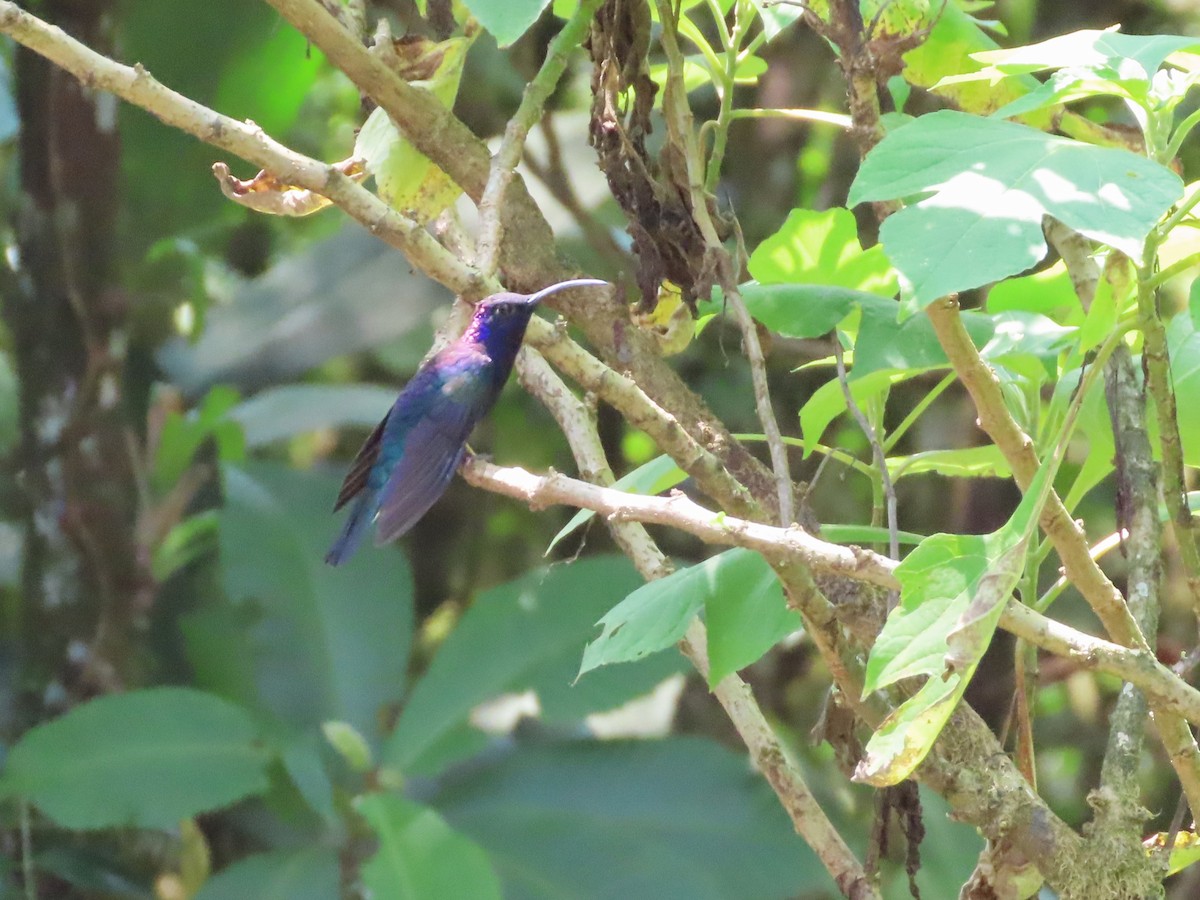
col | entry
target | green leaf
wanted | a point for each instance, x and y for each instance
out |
(1132, 55)
(287, 410)
(696, 73)
(777, 16)
(1101, 318)
(421, 856)
(555, 817)
(323, 643)
(1092, 63)
(506, 20)
(905, 737)
(351, 746)
(985, 461)
(829, 401)
(224, 68)
(865, 534)
(656, 476)
(1048, 292)
(947, 51)
(144, 759)
(822, 248)
(745, 612)
(525, 635)
(804, 310)
(987, 184)
(185, 543)
(1183, 347)
(653, 617)
(184, 433)
(310, 874)
(741, 598)
(952, 591)
(808, 311)
(1070, 85)
(406, 179)
(9, 406)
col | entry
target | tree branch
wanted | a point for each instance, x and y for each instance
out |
(734, 695)
(1137, 517)
(678, 115)
(785, 546)
(512, 146)
(994, 418)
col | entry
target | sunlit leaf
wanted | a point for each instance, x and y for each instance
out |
(947, 52)
(829, 400)
(404, 177)
(1183, 347)
(1132, 55)
(814, 248)
(1048, 292)
(986, 186)
(952, 590)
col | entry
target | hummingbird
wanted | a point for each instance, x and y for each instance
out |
(410, 457)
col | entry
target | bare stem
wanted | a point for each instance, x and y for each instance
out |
(996, 420)
(512, 146)
(889, 489)
(678, 116)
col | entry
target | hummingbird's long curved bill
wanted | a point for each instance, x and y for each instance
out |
(565, 285)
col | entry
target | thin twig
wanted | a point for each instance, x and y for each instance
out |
(533, 102)
(1157, 363)
(678, 115)
(889, 489)
(28, 876)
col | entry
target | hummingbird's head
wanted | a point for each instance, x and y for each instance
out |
(500, 320)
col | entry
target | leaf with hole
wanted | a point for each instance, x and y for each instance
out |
(953, 588)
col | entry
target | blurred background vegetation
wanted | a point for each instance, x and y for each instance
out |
(251, 355)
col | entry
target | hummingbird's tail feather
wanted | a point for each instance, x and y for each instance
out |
(361, 516)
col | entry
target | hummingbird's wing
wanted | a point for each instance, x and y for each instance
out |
(356, 478)
(434, 446)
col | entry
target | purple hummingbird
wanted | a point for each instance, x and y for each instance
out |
(410, 457)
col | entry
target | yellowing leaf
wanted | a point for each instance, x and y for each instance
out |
(267, 194)
(405, 178)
